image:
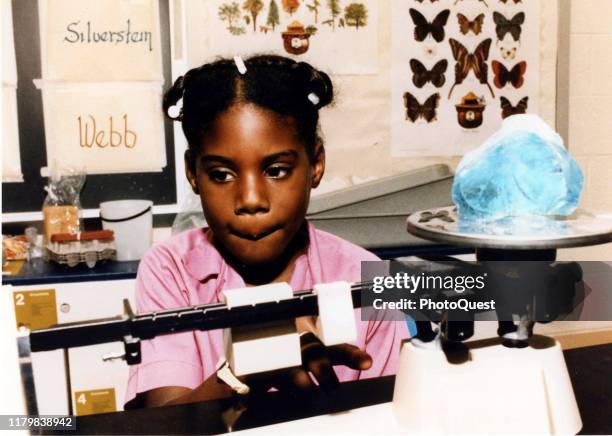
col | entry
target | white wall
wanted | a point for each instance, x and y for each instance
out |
(590, 109)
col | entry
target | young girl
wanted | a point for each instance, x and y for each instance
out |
(254, 155)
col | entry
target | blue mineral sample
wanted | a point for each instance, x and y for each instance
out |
(522, 170)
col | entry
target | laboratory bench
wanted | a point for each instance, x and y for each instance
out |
(62, 294)
(355, 407)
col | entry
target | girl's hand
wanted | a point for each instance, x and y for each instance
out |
(318, 360)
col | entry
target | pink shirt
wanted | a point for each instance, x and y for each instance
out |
(188, 270)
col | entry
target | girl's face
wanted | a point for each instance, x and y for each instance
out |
(254, 179)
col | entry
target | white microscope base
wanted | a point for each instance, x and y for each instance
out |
(499, 390)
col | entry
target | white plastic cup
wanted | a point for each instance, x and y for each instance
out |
(132, 222)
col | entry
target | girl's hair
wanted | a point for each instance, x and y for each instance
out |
(282, 85)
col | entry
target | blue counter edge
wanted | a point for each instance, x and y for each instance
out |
(39, 272)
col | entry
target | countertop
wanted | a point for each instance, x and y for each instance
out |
(590, 369)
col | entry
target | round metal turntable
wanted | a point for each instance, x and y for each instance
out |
(444, 225)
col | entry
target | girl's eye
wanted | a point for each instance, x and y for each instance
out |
(221, 176)
(278, 172)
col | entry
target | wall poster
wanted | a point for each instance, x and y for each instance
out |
(458, 68)
(336, 35)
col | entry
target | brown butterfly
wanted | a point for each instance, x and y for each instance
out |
(515, 1)
(422, 27)
(465, 25)
(421, 75)
(416, 110)
(421, 1)
(515, 76)
(508, 109)
(471, 61)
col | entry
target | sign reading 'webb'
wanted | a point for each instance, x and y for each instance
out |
(102, 84)
(106, 127)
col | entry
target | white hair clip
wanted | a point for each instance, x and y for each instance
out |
(240, 64)
(314, 98)
(175, 110)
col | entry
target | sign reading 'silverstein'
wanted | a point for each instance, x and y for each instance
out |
(93, 40)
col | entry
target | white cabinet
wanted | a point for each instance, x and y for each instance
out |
(82, 301)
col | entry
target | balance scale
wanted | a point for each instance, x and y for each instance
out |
(515, 383)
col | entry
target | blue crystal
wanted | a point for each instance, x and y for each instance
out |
(523, 169)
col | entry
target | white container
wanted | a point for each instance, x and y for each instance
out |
(132, 222)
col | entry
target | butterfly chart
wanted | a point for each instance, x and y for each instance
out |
(336, 35)
(459, 67)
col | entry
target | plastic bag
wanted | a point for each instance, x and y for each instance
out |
(190, 216)
(62, 206)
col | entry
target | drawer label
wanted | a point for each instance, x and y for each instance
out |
(95, 401)
(35, 309)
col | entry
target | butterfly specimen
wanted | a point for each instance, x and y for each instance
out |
(508, 52)
(415, 110)
(513, 26)
(508, 1)
(430, 51)
(421, 1)
(465, 25)
(483, 1)
(422, 75)
(422, 27)
(508, 109)
(515, 76)
(471, 61)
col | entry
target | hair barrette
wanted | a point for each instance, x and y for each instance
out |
(176, 109)
(240, 64)
(314, 98)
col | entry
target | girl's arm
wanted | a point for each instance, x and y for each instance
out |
(317, 359)
(210, 389)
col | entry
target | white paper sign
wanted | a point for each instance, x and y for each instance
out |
(458, 67)
(337, 35)
(105, 128)
(94, 40)
(11, 160)
(9, 68)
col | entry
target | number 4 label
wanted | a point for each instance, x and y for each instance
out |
(95, 401)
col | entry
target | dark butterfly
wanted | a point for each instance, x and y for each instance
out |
(471, 61)
(515, 1)
(515, 76)
(421, 1)
(415, 110)
(513, 26)
(465, 25)
(422, 75)
(422, 27)
(483, 1)
(508, 109)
